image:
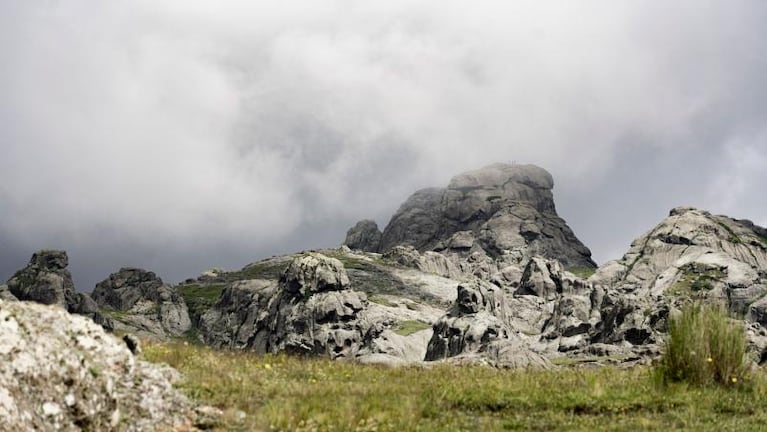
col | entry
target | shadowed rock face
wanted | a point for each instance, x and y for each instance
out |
(364, 236)
(500, 209)
(146, 303)
(46, 280)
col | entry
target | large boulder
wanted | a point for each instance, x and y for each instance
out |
(310, 311)
(364, 236)
(141, 301)
(46, 280)
(500, 210)
(64, 373)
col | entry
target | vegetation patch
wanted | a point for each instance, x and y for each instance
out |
(260, 270)
(734, 238)
(406, 328)
(583, 272)
(200, 297)
(298, 394)
(695, 281)
(383, 301)
(704, 347)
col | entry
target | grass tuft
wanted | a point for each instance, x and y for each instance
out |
(704, 347)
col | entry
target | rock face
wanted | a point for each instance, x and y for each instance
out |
(691, 255)
(46, 280)
(364, 236)
(143, 302)
(310, 311)
(315, 309)
(499, 210)
(478, 327)
(63, 372)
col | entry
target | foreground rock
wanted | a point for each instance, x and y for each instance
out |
(60, 372)
(141, 301)
(46, 280)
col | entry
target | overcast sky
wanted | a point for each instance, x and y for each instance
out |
(178, 135)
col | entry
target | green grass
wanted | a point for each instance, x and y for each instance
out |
(200, 297)
(734, 238)
(383, 301)
(582, 272)
(704, 347)
(406, 328)
(289, 393)
(259, 270)
(692, 282)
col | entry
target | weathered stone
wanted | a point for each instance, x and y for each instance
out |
(500, 209)
(364, 236)
(63, 372)
(145, 303)
(46, 280)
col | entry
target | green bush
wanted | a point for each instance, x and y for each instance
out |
(704, 347)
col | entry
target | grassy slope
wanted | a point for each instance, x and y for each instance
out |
(285, 393)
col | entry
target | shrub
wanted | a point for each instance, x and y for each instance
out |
(704, 346)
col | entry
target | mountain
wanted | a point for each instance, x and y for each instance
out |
(480, 271)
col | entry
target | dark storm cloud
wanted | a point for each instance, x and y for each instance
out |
(180, 135)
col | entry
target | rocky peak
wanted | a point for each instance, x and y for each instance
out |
(498, 210)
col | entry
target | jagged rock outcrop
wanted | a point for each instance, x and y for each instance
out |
(314, 309)
(691, 254)
(500, 210)
(310, 311)
(143, 302)
(46, 280)
(64, 373)
(364, 236)
(478, 328)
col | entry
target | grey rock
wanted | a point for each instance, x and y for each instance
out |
(478, 328)
(364, 236)
(63, 372)
(500, 209)
(146, 304)
(5, 294)
(46, 280)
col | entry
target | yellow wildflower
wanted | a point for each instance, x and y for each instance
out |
(267, 366)
(734, 380)
(710, 360)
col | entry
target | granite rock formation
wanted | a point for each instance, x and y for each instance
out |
(63, 372)
(140, 301)
(364, 236)
(46, 280)
(499, 210)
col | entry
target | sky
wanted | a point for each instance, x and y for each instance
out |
(180, 135)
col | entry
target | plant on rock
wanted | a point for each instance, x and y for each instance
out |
(704, 346)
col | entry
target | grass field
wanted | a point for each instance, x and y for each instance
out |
(287, 393)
